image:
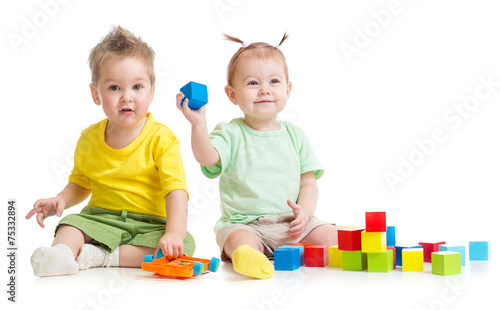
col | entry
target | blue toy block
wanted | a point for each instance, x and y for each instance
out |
(301, 251)
(196, 93)
(479, 250)
(399, 250)
(391, 235)
(454, 248)
(286, 258)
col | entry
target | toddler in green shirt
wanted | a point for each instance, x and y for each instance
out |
(267, 168)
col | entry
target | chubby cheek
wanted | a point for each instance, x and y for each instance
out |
(246, 96)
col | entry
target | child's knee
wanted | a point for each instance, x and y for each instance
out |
(326, 234)
(241, 237)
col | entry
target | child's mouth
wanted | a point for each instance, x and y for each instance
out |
(126, 111)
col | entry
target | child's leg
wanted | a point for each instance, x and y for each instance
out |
(72, 237)
(240, 237)
(247, 253)
(129, 256)
(60, 258)
(132, 256)
(326, 234)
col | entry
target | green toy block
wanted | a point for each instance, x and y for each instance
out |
(334, 256)
(446, 263)
(353, 260)
(380, 262)
(373, 242)
(413, 259)
(454, 248)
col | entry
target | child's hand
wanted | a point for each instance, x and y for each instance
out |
(172, 245)
(300, 222)
(195, 117)
(43, 208)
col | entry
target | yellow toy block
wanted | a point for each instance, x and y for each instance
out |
(334, 256)
(373, 242)
(413, 259)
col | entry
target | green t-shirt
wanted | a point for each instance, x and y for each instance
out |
(259, 170)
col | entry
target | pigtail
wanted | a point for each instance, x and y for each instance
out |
(232, 39)
(283, 39)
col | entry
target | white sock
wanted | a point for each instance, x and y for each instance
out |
(95, 256)
(53, 261)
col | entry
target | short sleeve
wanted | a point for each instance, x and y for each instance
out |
(221, 139)
(77, 175)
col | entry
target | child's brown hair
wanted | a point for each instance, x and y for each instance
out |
(261, 49)
(120, 42)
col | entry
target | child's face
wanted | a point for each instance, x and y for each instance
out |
(260, 87)
(124, 90)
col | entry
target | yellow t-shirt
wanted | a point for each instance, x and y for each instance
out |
(136, 178)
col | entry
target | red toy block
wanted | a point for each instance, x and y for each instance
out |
(375, 222)
(430, 247)
(316, 256)
(394, 254)
(350, 239)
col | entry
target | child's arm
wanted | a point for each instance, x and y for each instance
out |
(203, 151)
(71, 195)
(306, 204)
(172, 242)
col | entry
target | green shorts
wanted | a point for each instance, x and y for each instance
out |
(111, 229)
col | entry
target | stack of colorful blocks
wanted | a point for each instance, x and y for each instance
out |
(375, 249)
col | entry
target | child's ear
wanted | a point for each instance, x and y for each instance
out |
(95, 94)
(152, 93)
(288, 89)
(231, 94)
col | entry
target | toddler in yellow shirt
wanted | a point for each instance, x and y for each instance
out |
(130, 163)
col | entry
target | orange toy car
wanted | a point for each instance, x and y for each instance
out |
(182, 267)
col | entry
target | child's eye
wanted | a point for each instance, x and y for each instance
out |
(114, 88)
(253, 83)
(137, 87)
(273, 81)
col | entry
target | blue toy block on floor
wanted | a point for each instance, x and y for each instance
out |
(479, 250)
(196, 93)
(399, 250)
(287, 258)
(454, 248)
(301, 251)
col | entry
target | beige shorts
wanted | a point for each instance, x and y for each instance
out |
(272, 232)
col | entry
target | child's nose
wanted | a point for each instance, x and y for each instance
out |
(127, 97)
(264, 91)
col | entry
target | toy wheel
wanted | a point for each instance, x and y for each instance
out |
(197, 268)
(148, 258)
(214, 264)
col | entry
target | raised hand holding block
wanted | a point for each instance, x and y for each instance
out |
(196, 93)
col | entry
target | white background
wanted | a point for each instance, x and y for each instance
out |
(412, 67)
